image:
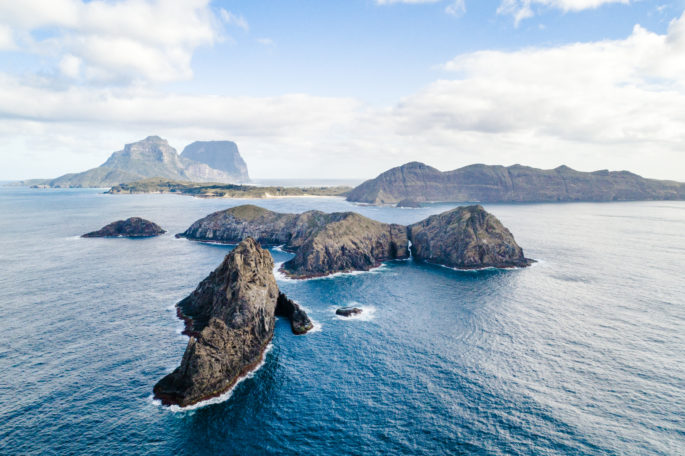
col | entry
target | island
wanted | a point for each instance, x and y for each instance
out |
(230, 319)
(323, 243)
(219, 190)
(132, 227)
(465, 238)
(494, 184)
(201, 161)
(339, 242)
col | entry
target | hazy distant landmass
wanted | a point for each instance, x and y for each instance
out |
(220, 155)
(218, 190)
(201, 161)
(484, 183)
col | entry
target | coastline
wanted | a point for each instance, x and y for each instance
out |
(223, 394)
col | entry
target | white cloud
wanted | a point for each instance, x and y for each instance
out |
(614, 104)
(130, 39)
(523, 9)
(6, 39)
(70, 66)
(457, 8)
(234, 19)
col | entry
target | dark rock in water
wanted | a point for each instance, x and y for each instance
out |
(230, 318)
(131, 227)
(348, 311)
(516, 183)
(323, 243)
(409, 203)
(348, 242)
(465, 238)
(299, 321)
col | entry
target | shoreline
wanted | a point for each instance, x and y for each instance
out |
(223, 394)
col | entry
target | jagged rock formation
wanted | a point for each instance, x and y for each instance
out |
(150, 157)
(348, 311)
(465, 238)
(131, 227)
(299, 321)
(484, 183)
(323, 243)
(230, 319)
(221, 155)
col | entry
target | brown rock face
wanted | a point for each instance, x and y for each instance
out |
(131, 227)
(467, 237)
(230, 320)
(299, 321)
(323, 243)
(348, 242)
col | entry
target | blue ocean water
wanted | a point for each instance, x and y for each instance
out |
(583, 353)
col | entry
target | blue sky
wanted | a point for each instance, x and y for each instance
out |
(337, 89)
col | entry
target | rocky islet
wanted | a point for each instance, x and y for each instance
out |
(323, 244)
(131, 227)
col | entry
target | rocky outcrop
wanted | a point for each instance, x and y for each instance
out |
(131, 227)
(348, 311)
(323, 243)
(221, 155)
(347, 242)
(484, 183)
(299, 321)
(465, 238)
(230, 318)
(148, 158)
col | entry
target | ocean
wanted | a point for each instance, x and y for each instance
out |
(581, 354)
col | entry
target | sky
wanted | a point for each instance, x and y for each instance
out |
(346, 88)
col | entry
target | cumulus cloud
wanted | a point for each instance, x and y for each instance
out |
(523, 9)
(130, 39)
(607, 104)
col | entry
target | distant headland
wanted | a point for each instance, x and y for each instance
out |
(417, 182)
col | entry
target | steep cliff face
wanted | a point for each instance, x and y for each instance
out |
(348, 242)
(220, 155)
(516, 183)
(131, 227)
(465, 238)
(323, 243)
(230, 320)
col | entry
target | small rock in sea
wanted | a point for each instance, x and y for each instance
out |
(131, 227)
(348, 311)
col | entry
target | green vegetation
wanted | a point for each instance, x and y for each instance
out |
(214, 190)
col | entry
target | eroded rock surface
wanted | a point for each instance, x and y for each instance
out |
(230, 318)
(467, 237)
(299, 321)
(323, 243)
